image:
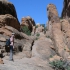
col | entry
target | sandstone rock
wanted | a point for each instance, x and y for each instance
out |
(7, 8)
(41, 49)
(49, 29)
(2, 39)
(66, 31)
(33, 31)
(39, 29)
(1, 61)
(29, 22)
(9, 20)
(52, 13)
(54, 58)
(22, 41)
(66, 9)
(58, 37)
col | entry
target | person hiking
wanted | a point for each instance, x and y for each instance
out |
(12, 46)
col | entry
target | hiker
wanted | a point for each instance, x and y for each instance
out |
(11, 46)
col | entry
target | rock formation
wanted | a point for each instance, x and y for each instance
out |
(8, 8)
(9, 20)
(29, 22)
(52, 13)
(39, 29)
(66, 9)
(58, 37)
(36, 51)
(66, 31)
(33, 31)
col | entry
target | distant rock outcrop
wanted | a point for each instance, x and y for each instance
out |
(29, 22)
(7, 8)
(66, 9)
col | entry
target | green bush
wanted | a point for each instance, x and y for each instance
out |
(36, 39)
(60, 65)
(37, 34)
(51, 56)
(36, 26)
(48, 36)
(26, 30)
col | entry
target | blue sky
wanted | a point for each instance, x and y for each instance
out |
(37, 9)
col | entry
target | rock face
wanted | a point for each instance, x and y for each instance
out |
(36, 51)
(9, 20)
(29, 22)
(7, 8)
(22, 41)
(42, 48)
(52, 13)
(66, 31)
(39, 29)
(58, 37)
(66, 9)
(49, 29)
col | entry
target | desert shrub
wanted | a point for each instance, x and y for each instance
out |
(37, 34)
(60, 65)
(48, 36)
(51, 56)
(36, 38)
(36, 26)
(26, 30)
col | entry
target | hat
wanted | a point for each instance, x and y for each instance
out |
(13, 33)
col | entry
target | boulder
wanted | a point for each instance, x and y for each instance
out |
(33, 31)
(22, 41)
(42, 48)
(66, 31)
(7, 8)
(28, 21)
(26, 64)
(9, 20)
(49, 29)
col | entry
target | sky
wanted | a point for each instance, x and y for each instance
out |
(36, 9)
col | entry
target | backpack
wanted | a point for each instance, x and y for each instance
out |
(8, 42)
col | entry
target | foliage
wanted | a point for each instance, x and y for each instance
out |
(26, 30)
(36, 26)
(36, 38)
(37, 34)
(51, 56)
(60, 65)
(48, 36)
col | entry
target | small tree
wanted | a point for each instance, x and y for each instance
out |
(26, 30)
